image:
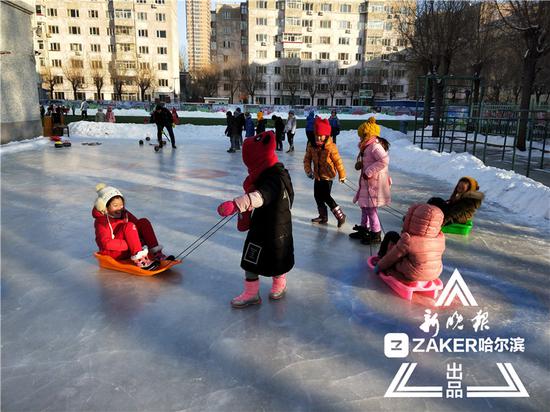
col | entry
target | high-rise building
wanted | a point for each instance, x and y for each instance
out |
(315, 52)
(198, 34)
(120, 45)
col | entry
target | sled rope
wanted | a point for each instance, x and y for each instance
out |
(398, 212)
(205, 236)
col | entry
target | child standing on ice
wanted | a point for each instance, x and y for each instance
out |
(110, 115)
(264, 210)
(326, 163)
(463, 203)
(374, 181)
(416, 254)
(119, 234)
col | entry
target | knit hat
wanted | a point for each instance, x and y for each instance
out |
(104, 194)
(474, 186)
(259, 154)
(368, 127)
(322, 127)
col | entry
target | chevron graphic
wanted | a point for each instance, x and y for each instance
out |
(456, 287)
(513, 389)
(398, 387)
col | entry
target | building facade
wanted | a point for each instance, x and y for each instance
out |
(198, 34)
(108, 49)
(316, 52)
(19, 112)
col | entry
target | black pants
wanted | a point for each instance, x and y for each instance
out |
(390, 237)
(310, 137)
(321, 191)
(170, 133)
(290, 137)
(334, 138)
(84, 114)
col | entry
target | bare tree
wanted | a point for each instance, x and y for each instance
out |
(118, 79)
(232, 76)
(98, 74)
(332, 79)
(542, 82)
(74, 73)
(291, 78)
(48, 79)
(252, 76)
(355, 79)
(311, 81)
(145, 78)
(532, 20)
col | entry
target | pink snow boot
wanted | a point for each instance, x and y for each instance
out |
(142, 260)
(250, 296)
(278, 289)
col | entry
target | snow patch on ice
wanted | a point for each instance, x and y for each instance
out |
(21, 145)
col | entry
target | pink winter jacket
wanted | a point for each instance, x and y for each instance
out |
(374, 182)
(417, 255)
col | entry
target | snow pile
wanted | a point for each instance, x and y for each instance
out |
(113, 130)
(21, 145)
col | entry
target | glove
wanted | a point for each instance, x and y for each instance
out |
(227, 208)
(376, 269)
(343, 180)
(243, 221)
(311, 176)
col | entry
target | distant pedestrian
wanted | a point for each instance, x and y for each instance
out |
(83, 110)
(334, 126)
(290, 130)
(163, 118)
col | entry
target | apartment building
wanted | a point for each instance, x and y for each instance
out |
(198, 34)
(122, 44)
(320, 52)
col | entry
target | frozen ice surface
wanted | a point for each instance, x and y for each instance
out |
(77, 337)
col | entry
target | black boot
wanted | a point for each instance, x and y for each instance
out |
(360, 232)
(322, 218)
(373, 238)
(339, 215)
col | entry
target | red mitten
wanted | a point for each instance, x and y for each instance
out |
(243, 221)
(227, 208)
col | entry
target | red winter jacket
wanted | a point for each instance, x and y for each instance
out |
(107, 229)
(417, 256)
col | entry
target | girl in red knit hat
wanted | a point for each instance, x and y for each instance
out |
(264, 211)
(326, 163)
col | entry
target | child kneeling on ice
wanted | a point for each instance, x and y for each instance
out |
(417, 254)
(326, 163)
(264, 210)
(463, 203)
(374, 181)
(119, 234)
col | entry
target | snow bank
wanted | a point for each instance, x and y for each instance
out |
(22, 145)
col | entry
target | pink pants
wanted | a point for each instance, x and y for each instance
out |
(134, 235)
(369, 219)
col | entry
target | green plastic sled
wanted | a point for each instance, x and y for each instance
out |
(458, 228)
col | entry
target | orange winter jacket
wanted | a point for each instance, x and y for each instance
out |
(326, 161)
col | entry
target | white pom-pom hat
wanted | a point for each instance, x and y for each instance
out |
(104, 194)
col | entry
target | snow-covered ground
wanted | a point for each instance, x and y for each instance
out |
(76, 337)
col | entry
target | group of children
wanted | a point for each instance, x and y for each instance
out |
(264, 210)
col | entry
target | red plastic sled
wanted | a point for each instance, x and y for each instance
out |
(430, 288)
(127, 266)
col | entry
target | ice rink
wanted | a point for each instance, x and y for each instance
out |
(79, 338)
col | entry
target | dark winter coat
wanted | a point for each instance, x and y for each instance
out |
(462, 208)
(162, 118)
(310, 120)
(334, 125)
(232, 128)
(249, 126)
(260, 127)
(269, 247)
(240, 122)
(279, 128)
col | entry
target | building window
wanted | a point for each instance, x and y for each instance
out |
(159, 1)
(261, 21)
(358, 57)
(307, 6)
(53, 29)
(123, 13)
(160, 17)
(399, 73)
(340, 102)
(292, 37)
(125, 47)
(226, 44)
(388, 26)
(375, 24)
(96, 48)
(163, 82)
(59, 95)
(142, 16)
(261, 100)
(76, 47)
(227, 87)
(307, 23)
(324, 56)
(306, 55)
(401, 43)
(324, 40)
(322, 101)
(308, 39)
(56, 63)
(261, 69)
(162, 50)
(277, 70)
(293, 21)
(97, 64)
(326, 7)
(225, 59)
(292, 54)
(126, 30)
(359, 41)
(343, 56)
(55, 47)
(58, 79)
(74, 30)
(345, 8)
(322, 71)
(161, 34)
(261, 37)
(277, 86)
(341, 87)
(93, 14)
(278, 54)
(261, 4)
(143, 33)
(72, 13)
(94, 31)
(52, 12)
(144, 65)
(343, 40)
(112, 48)
(344, 24)
(342, 72)
(163, 66)
(143, 49)
(325, 24)
(386, 42)
(261, 54)
(40, 44)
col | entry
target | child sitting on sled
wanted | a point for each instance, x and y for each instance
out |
(463, 203)
(416, 254)
(119, 234)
